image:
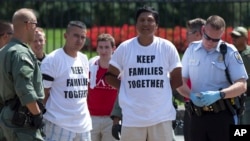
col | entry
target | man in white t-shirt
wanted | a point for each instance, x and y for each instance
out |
(145, 69)
(65, 78)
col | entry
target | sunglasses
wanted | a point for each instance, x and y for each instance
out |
(209, 38)
(30, 22)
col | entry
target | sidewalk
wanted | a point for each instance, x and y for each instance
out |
(179, 138)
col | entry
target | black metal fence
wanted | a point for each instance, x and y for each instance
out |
(117, 16)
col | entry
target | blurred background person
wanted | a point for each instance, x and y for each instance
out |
(194, 33)
(240, 37)
(38, 44)
(6, 32)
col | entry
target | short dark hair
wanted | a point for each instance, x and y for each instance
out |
(195, 24)
(216, 22)
(106, 37)
(146, 8)
(78, 24)
(5, 27)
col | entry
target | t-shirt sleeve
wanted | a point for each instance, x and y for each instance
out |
(48, 72)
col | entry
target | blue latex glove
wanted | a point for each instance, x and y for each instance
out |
(209, 97)
(195, 98)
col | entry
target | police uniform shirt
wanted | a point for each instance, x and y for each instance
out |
(19, 73)
(206, 69)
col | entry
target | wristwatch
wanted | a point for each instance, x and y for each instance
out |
(222, 95)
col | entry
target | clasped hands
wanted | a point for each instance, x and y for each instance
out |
(205, 98)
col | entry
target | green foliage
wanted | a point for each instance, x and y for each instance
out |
(54, 39)
(56, 14)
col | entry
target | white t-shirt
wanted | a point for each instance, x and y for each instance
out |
(67, 105)
(145, 94)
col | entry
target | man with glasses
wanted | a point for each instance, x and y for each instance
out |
(240, 37)
(21, 89)
(205, 65)
(65, 78)
(6, 32)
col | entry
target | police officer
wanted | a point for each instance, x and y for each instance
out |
(205, 65)
(240, 37)
(21, 88)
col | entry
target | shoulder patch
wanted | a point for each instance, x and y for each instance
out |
(26, 59)
(238, 57)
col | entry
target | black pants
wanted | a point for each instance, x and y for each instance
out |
(187, 126)
(211, 126)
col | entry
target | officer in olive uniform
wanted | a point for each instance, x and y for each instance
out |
(21, 90)
(240, 37)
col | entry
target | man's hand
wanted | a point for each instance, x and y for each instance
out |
(209, 97)
(116, 131)
(37, 121)
(116, 128)
(195, 98)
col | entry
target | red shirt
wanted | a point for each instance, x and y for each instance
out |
(101, 99)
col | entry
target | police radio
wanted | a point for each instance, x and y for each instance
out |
(238, 102)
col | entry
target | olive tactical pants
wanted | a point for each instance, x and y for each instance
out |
(15, 133)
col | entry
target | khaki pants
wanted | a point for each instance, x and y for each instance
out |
(159, 132)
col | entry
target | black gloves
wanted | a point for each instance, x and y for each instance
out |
(116, 131)
(37, 121)
(41, 106)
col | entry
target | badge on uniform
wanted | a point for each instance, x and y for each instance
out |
(220, 58)
(238, 57)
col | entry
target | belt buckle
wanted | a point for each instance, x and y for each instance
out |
(207, 108)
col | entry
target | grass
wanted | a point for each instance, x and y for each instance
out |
(54, 39)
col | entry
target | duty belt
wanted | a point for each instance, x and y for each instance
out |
(208, 108)
(216, 107)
